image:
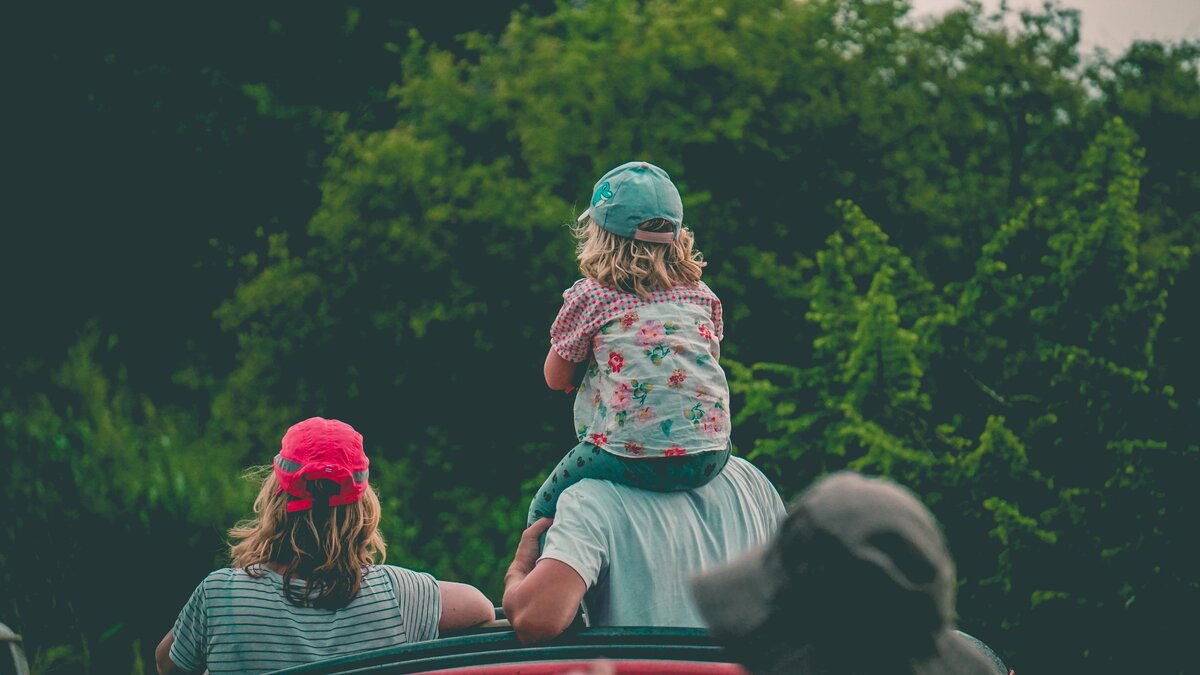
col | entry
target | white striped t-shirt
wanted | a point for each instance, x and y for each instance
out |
(236, 623)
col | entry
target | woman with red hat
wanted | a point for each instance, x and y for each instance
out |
(304, 583)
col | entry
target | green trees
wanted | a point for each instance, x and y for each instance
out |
(943, 258)
(1025, 404)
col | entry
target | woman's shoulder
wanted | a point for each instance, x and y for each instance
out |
(236, 582)
(406, 579)
(227, 576)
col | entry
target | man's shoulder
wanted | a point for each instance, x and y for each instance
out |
(745, 469)
(591, 489)
(739, 476)
(742, 481)
(743, 475)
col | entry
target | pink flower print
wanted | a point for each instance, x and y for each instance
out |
(628, 319)
(634, 448)
(595, 399)
(676, 379)
(705, 331)
(615, 362)
(651, 334)
(600, 439)
(674, 451)
(622, 396)
(714, 422)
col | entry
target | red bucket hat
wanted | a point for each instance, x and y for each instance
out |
(318, 448)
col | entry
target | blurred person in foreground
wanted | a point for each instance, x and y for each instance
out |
(304, 584)
(628, 553)
(857, 581)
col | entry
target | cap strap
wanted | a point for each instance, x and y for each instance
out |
(299, 505)
(655, 237)
(287, 465)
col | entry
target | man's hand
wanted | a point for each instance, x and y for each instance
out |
(529, 548)
(540, 598)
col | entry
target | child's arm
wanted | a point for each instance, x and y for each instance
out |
(559, 372)
(571, 335)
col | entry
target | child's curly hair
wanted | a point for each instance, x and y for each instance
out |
(637, 266)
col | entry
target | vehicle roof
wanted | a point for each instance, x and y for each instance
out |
(633, 650)
(646, 667)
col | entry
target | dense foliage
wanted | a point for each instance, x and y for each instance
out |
(951, 253)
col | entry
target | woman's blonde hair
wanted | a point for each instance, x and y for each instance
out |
(638, 266)
(328, 547)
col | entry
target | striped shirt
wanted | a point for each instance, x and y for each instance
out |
(236, 623)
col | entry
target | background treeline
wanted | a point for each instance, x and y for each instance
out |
(954, 252)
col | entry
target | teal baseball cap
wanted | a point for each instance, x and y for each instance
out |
(630, 195)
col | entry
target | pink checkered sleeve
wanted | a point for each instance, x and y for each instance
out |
(718, 318)
(715, 310)
(577, 322)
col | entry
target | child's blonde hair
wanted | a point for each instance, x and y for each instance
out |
(637, 266)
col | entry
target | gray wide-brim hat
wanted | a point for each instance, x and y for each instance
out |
(858, 576)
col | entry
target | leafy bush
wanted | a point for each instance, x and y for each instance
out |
(1012, 339)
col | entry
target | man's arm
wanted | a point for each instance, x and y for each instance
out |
(540, 598)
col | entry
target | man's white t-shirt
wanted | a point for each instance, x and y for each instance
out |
(635, 549)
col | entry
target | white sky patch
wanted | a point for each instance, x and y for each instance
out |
(1112, 25)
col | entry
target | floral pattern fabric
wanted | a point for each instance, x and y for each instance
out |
(654, 385)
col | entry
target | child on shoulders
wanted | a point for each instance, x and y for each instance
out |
(652, 410)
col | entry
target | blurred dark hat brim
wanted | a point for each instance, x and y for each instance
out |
(739, 602)
(953, 654)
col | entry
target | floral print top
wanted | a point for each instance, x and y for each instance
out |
(654, 386)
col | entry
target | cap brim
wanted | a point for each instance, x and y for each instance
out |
(953, 654)
(736, 599)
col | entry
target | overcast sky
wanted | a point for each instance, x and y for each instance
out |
(1111, 24)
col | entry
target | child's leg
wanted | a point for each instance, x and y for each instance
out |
(583, 461)
(670, 474)
(661, 474)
